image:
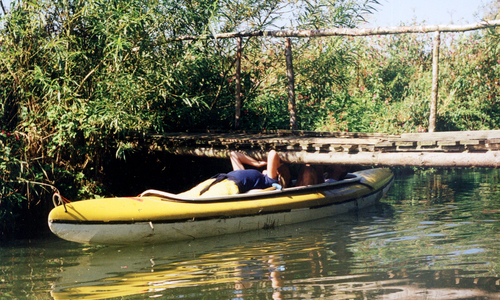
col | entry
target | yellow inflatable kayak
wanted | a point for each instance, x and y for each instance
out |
(156, 216)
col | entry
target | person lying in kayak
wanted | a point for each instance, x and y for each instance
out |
(241, 180)
(315, 174)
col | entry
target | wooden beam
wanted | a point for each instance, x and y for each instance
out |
(450, 135)
(343, 31)
(439, 149)
(488, 159)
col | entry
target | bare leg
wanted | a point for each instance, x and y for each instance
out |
(273, 163)
(235, 161)
(238, 159)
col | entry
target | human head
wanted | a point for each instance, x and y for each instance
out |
(337, 172)
(284, 175)
(307, 176)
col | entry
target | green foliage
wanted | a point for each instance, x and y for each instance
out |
(471, 74)
(78, 76)
(332, 13)
(12, 170)
(394, 73)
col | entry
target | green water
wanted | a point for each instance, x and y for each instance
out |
(434, 236)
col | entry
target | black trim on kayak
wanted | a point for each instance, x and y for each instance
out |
(351, 179)
(56, 221)
(169, 221)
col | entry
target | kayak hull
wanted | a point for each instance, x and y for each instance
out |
(152, 219)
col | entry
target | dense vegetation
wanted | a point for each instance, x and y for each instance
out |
(77, 76)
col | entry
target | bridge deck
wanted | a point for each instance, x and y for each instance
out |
(439, 149)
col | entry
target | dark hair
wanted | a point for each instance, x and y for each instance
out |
(284, 175)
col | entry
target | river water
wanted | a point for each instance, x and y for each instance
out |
(436, 235)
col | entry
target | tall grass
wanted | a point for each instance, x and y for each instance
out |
(77, 76)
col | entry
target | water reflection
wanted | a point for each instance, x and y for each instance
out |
(229, 267)
(435, 236)
(308, 262)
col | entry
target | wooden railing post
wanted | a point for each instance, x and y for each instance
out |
(435, 83)
(291, 84)
(237, 112)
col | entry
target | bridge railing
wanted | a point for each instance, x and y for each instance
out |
(356, 32)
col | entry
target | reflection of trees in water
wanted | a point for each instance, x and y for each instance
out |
(255, 264)
(438, 227)
(438, 186)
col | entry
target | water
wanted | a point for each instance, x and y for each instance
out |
(435, 236)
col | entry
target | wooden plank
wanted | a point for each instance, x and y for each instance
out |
(493, 144)
(243, 145)
(406, 144)
(428, 146)
(367, 148)
(337, 148)
(451, 135)
(281, 147)
(351, 148)
(309, 147)
(385, 144)
(323, 147)
(471, 142)
(408, 140)
(448, 143)
(295, 147)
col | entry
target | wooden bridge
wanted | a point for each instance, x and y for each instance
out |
(439, 149)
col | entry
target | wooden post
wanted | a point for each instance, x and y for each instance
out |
(435, 83)
(291, 84)
(237, 112)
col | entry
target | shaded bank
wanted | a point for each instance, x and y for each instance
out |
(140, 171)
(162, 171)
